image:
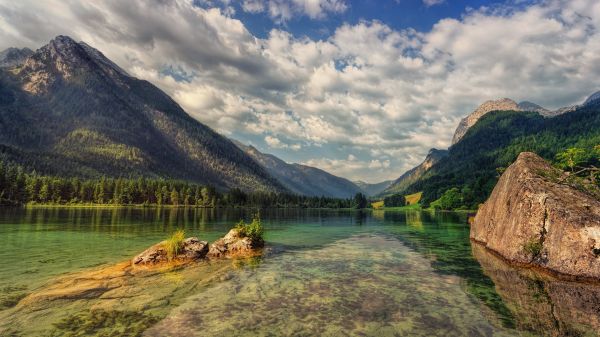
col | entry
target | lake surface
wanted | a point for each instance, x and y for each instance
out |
(324, 273)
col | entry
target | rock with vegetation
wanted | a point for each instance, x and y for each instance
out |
(176, 248)
(534, 217)
(243, 240)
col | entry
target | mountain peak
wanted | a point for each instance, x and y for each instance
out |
(63, 42)
(593, 98)
(503, 104)
(63, 58)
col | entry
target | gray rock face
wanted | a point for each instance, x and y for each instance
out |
(234, 244)
(533, 220)
(482, 110)
(530, 106)
(192, 249)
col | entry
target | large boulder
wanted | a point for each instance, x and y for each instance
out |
(234, 244)
(191, 249)
(532, 218)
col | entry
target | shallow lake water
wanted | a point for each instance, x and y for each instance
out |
(323, 273)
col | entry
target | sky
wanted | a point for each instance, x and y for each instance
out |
(362, 89)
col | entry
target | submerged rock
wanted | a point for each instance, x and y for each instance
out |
(531, 218)
(191, 249)
(234, 244)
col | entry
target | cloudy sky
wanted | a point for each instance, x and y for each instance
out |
(361, 88)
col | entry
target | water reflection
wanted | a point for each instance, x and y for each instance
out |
(401, 272)
(541, 303)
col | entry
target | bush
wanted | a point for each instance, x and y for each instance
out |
(174, 243)
(253, 230)
(533, 247)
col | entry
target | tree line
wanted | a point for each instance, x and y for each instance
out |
(20, 188)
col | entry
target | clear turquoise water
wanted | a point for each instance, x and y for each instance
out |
(325, 273)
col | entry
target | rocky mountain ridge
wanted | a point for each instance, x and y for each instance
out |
(507, 104)
(68, 110)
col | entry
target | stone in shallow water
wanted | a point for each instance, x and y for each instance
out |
(192, 249)
(234, 244)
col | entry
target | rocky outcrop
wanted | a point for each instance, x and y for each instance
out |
(530, 218)
(530, 106)
(504, 104)
(191, 249)
(234, 244)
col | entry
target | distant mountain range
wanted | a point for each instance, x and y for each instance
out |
(413, 175)
(302, 179)
(373, 189)
(491, 137)
(67, 110)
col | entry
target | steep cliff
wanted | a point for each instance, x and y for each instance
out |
(531, 218)
(504, 104)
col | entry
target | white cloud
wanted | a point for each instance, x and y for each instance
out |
(430, 3)
(382, 95)
(275, 143)
(284, 10)
(253, 6)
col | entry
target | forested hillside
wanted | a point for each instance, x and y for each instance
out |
(18, 187)
(66, 110)
(473, 165)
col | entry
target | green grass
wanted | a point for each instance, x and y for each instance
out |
(174, 243)
(403, 208)
(414, 198)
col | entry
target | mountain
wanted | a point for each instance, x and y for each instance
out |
(373, 189)
(414, 174)
(68, 110)
(482, 110)
(506, 104)
(13, 57)
(593, 99)
(302, 179)
(496, 140)
(530, 106)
